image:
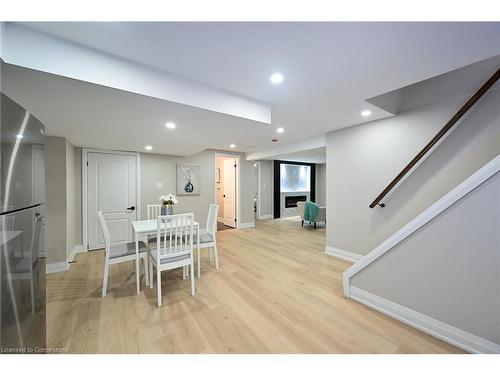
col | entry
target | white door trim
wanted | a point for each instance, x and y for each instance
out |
(85, 152)
(238, 182)
(259, 180)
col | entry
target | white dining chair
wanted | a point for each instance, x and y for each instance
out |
(208, 239)
(153, 210)
(119, 253)
(174, 248)
(24, 268)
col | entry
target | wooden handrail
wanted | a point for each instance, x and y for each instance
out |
(473, 99)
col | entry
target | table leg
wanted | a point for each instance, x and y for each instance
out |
(137, 262)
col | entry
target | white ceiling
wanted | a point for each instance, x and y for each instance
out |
(330, 70)
(96, 116)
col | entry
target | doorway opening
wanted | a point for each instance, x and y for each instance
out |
(226, 190)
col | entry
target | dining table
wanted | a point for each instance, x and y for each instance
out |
(144, 228)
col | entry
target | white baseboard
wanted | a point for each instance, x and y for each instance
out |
(246, 225)
(56, 267)
(434, 327)
(265, 217)
(343, 254)
(76, 249)
(64, 266)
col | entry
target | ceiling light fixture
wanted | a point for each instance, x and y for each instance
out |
(148, 148)
(280, 130)
(277, 78)
(232, 145)
(170, 125)
(366, 113)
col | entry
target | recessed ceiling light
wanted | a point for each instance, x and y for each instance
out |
(277, 78)
(170, 125)
(280, 130)
(148, 148)
(19, 136)
(232, 145)
(366, 113)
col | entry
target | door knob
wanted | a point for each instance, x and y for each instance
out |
(132, 208)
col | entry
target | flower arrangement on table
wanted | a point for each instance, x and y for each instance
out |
(167, 204)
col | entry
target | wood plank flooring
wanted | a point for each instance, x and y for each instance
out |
(276, 292)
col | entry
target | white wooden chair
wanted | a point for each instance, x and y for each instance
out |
(207, 237)
(24, 268)
(120, 253)
(174, 248)
(154, 210)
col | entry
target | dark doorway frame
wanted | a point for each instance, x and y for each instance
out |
(277, 183)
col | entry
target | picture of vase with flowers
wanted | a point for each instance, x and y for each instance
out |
(167, 204)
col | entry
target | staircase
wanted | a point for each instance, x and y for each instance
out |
(440, 273)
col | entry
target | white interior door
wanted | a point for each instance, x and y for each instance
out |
(229, 192)
(112, 189)
(38, 166)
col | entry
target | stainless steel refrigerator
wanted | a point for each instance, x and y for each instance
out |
(22, 230)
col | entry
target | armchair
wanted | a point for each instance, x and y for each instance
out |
(320, 217)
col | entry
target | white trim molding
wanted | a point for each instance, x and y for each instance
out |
(56, 267)
(342, 254)
(246, 225)
(76, 249)
(434, 327)
(265, 217)
(483, 174)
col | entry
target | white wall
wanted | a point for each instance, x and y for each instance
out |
(363, 159)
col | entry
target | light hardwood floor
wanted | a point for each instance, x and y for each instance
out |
(276, 292)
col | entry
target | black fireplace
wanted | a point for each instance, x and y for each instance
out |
(291, 201)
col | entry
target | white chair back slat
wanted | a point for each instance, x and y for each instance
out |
(154, 210)
(212, 219)
(177, 232)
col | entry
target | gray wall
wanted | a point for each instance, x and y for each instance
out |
(64, 191)
(321, 184)
(363, 159)
(162, 168)
(450, 268)
(64, 198)
(73, 197)
(266, 187)
(55, 181)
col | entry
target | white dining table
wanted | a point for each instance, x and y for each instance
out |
(144, 228)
